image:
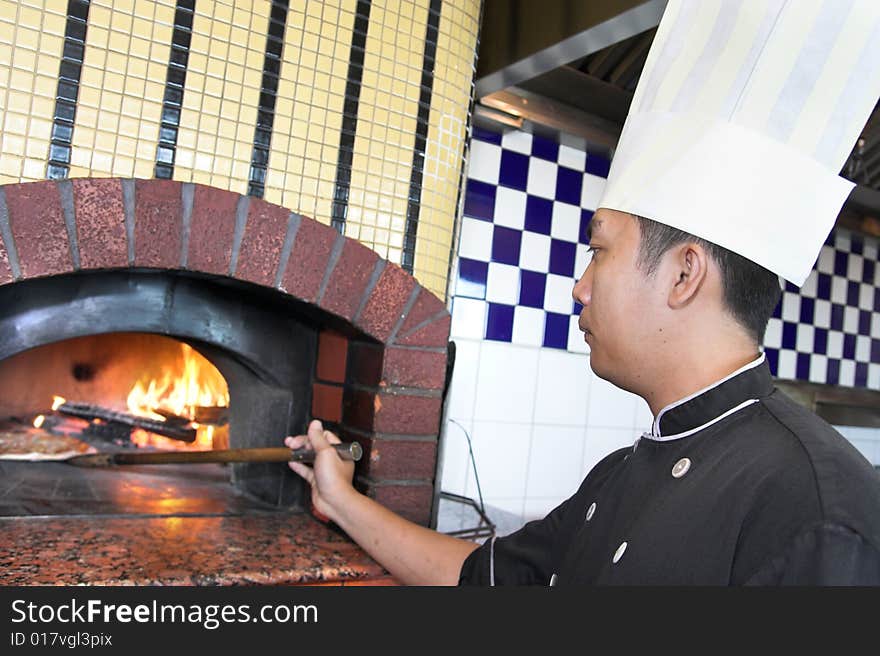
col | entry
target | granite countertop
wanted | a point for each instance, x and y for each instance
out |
(255, 549)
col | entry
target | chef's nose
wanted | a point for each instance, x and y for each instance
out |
(583, 288)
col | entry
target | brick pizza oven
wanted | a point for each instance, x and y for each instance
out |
(302, 321)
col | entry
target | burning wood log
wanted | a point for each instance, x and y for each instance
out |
(175, 429)
(206, 415)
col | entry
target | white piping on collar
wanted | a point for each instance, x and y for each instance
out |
(677, 436)
(655, 427)
(492, 562)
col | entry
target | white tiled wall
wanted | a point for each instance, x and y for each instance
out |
(538, 419)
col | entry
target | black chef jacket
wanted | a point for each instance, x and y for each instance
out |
(735, 485)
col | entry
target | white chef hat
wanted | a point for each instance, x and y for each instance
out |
(744, 115)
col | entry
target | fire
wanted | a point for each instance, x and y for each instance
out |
(180, 390)
(38, 420)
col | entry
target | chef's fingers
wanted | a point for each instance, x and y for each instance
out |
(320, 438)
(297, 442)
(303, 470)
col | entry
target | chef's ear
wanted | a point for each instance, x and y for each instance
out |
(688, 269)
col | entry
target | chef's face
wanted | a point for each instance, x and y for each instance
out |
(620, 302)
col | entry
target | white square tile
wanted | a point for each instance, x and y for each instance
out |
(825, 263)
(555, 461)
(847, 373)
(506, 383)
(534, 252)
(563, 388)
(592, 190)
(501, 452)
(610, 406)
(600, 442)
(557, 294)
(822, 314)
(854, 267)
(582, 258)
(787, 364)
(510, 208)
(542, 178)
(517, 140)
(863, 348)
(528, 326)
(870, 250)
(468, 318)
(476, 239)
(463, 388)
(809, 288)
(842, 241)
(804, 343)
(835, 344)
(874, 376)
(866, 296)
(773, 334)
(875, 324)
(791, 307)
(838, 290)
(484, 161)
(456, 457)
(566, 222)
(576, 343)
(850, 320)
(502, 283)
(818, 368)
(572, 158)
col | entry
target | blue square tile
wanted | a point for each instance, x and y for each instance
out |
(849, 346)
(539, 214)
(875, 351)
(583, 231)
(802, 366)
(856, 245)
(791, 287)
(505, 245)
(479, 200)
(836, 316)
(598, 165)
(832, 373)
(777, 311)
(868, 267)
(789, 335)
(820, 341)
(852, 294)
(877, 299)
(499, 322)
(487, 135)
(531, 288)
(568, 185)
(772, 360)
(864, 322)
(576, 310)
(514, 170)
(545, 148)
(861, 374)
(472, 275)
(562, 255)
(807, 309)
(823, 286)
(556, 331)
(841, 263)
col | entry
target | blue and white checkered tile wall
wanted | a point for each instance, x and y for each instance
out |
(828, 331)
(527, 203)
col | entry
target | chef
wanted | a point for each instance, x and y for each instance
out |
(724, 181)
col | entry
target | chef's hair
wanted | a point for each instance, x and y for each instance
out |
(751, 292)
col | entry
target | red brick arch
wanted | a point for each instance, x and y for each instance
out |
(391, 388)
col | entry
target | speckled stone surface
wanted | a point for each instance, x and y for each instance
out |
(258, 549)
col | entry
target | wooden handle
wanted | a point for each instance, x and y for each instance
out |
(346, 450)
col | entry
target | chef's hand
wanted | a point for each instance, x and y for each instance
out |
(330, 476)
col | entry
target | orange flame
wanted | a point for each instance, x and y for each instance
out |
(194, 383)
(38, 420)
